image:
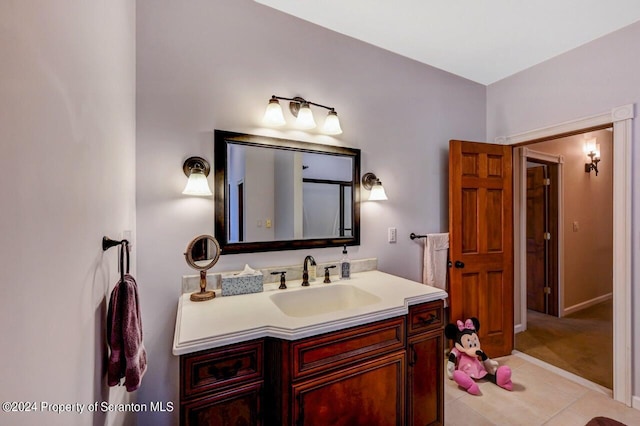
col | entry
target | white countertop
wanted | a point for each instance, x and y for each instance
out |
(234, 319)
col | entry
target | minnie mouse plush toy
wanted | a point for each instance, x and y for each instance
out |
(467, 362)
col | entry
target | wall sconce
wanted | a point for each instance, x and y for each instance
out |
(197, 169)
(300, 109)
(592, 150)
(372, 183)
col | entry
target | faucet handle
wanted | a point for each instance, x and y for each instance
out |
(327, 280)
(283, 284)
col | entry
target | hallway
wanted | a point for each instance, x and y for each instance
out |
(581, 343)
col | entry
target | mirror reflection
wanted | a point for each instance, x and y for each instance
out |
(202, 252)
(283, 195)
(274, 194)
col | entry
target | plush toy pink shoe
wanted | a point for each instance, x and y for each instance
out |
(503, 377)
(466, 382)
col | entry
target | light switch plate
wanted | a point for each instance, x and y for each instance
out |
(392, 235)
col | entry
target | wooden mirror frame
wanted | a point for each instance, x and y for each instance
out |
(221, 140)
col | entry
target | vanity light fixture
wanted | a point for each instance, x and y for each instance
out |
(372, 183)
(196, 169)
(300, 108)
(592, 150)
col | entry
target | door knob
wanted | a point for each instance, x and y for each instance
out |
(459, 264)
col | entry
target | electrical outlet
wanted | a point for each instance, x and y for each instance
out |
(267, 223)
(576, 226)
(392, 235)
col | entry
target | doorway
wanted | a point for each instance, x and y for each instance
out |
(580, 325)
(622, 119)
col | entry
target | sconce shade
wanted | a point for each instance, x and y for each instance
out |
(372, 183)
(197, 169)
(305, 119)
(592, 151)
(332, 124)
(377, 192)
(273, 114)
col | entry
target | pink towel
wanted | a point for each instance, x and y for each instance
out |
(128, 357)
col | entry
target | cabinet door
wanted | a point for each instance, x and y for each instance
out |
(237, 407)
(370, 394)
(426, 379)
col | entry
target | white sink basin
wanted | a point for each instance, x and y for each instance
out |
(322, 300)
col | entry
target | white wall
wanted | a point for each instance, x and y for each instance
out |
(586, 81)
(204, 65)
(67, 177)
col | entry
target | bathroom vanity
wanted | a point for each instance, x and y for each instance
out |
(368, 351)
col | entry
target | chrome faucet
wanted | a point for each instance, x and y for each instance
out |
(305, 271)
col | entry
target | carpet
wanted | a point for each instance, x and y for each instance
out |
(581, 343)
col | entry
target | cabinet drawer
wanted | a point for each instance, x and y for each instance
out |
(426, 316)
(221, 367)
(238, 406)
(321, 353)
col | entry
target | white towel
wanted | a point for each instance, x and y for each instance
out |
(434, 271)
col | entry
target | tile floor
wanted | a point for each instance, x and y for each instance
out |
(539, 397)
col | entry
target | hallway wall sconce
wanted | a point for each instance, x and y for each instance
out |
(300, 108)
(372, 183)
(592, 150)
(196, 169)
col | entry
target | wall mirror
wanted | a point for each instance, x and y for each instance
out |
(281, 194)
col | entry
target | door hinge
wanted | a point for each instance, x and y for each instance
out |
(547, 290)
(546, 182)
(547, 235)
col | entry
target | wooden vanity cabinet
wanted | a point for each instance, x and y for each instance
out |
(388, 372)
(223, 386)
(340, 378)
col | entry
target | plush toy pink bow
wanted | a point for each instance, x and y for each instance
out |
(468, 324)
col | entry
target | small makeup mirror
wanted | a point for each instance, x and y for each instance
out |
(202, 253)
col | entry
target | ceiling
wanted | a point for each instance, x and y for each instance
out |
(481, 40)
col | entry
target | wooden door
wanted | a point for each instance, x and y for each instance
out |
(481, 241)
(536, 247)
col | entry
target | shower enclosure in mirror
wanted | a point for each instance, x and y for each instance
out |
(281, 194)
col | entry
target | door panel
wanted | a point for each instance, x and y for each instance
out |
(469, 221)
(481, 238)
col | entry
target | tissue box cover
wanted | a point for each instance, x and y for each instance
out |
(233, 284)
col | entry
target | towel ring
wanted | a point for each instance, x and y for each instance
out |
(107, 243)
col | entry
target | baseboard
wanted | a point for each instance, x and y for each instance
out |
(635, 402)
(586, 304)
(519, 328)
